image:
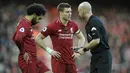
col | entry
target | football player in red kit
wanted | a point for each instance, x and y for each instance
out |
(61, 32)
(24, 39)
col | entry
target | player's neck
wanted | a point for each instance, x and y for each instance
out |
(28, 18)
(64, 22)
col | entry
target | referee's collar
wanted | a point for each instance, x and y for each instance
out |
(90, 18)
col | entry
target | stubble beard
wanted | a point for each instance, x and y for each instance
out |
(34, 21)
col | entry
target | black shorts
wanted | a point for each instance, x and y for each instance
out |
(101, 62)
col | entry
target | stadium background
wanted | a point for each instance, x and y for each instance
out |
(115, 15)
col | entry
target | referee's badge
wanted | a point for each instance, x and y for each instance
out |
(21, 29)
(71, 29)
(93, 28)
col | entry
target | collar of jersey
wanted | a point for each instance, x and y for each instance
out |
(59, 22)
(27, 20)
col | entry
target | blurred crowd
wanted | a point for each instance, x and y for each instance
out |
(115, 19)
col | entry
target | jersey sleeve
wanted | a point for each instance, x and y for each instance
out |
(95, 32)
(46, 31)
(75, 28)
(19, 35)
(22, 31)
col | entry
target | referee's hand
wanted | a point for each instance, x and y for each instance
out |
(81, 51)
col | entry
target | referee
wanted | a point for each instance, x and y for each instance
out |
(101, 60)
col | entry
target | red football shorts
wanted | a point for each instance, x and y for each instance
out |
(33, 66)
(58, 67)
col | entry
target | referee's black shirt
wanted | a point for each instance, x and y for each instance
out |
(95, 29)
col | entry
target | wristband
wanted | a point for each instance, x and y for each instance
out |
(85, 49)
(49, 50)
(78, 53)
(76, 49)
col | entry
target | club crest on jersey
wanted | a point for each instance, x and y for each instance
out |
(59, 30)
(71, 30)
(21, 29)
(44, 29)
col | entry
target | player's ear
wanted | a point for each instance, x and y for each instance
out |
(60, 12)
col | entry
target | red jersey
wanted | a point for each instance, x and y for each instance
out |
(62, 39)
(24, 38)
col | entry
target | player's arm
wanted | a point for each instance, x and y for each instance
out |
(95, 38)
(19, 36)
(39, 40)
(81, 38)
(19, 40)
(81, 41)
(94, 42)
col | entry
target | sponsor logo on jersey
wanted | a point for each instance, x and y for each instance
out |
(71, 30)
(65, 36)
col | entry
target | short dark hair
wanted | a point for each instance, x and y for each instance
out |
(38, 9)
(61, 6)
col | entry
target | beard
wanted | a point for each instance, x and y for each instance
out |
(33, 21)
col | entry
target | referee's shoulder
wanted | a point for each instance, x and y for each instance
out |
(98, 20)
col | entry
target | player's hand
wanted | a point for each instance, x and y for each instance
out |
(26, 56)
(75, 55)
(56, 54)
